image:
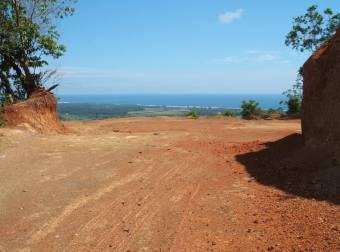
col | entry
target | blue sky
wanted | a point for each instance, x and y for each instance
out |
(192, 46)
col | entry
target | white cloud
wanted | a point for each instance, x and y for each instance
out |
(230, 16)
(251, 56)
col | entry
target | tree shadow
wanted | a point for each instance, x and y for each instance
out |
(287, 165)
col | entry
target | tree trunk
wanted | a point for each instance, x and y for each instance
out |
(28, 82)
(12, 63)
(6, 84)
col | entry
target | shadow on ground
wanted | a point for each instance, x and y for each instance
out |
(287, 165)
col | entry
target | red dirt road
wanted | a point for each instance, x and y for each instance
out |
(154, 184)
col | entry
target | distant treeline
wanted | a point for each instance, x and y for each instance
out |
(82, 111)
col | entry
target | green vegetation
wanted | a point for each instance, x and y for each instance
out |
(2, 119)
(83, 111)
(74, 111)
(228, 113)
(312, 29)
(294, 96)
(193, 114)
(294, 105)
(250, 110)
(28, 36)
(308, 33)
(272, 113)
(5, 100)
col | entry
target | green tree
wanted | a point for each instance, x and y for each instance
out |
(308, 33)
(250, 109)
(28, 37)
(312, 29)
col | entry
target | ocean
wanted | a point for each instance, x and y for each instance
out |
(230, 101)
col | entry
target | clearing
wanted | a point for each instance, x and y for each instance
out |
(157, 184)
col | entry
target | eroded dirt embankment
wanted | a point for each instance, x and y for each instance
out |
(160, 184)
(38, 113)
(321, 99)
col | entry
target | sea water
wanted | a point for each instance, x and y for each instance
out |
(177, 100)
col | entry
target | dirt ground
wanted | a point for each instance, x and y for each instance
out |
(159, 184)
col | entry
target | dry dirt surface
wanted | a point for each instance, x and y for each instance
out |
(160, 184)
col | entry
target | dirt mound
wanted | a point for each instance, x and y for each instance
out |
(39, 112)
(321, 101)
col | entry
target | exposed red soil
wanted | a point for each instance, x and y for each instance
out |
(163, 184)
(38, 113)
(321, 100)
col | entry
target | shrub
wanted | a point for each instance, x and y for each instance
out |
(5, 100)
(192, 114)
(228, 113)
(294, 96)
(250, 109)
(2, 117)
(294, 105)
(272, 113)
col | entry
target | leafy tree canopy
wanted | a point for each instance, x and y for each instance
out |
(312, 29)
(308, 33)
(28, 35)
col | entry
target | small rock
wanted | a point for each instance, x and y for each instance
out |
(334, 228)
